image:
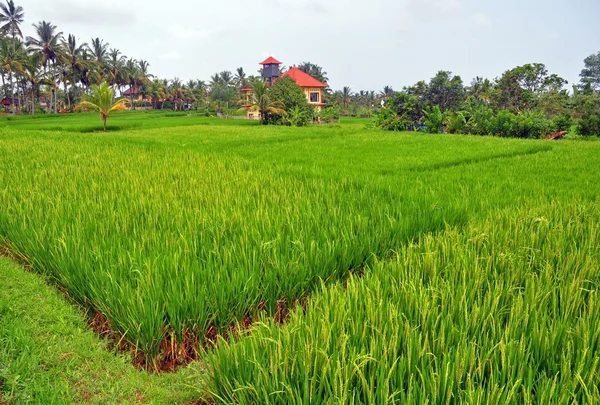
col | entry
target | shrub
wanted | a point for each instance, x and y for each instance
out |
(589, 124)
(390, 121)
(434, 119)
(456, 123)
(330, 114)
(563, 122)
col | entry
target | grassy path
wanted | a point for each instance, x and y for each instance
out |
(49, 356)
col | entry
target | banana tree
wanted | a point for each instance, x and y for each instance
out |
(101, 100)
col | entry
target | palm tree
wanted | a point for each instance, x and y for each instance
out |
(132, 74)
(71, 56)
(12, 58)
(386, 93)
(262, 102)
(11, 17)
(156, 91)
(101, 100)
(99, 49)
(240, 76)
(34, 77)
(47, 44)
(116, 64)
(226, 77)
(346, 96)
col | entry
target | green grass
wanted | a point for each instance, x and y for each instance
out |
(439, 267)
(49, 356)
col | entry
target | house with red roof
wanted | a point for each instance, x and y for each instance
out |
(313, 88)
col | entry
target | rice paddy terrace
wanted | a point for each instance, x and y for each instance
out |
(327, 264)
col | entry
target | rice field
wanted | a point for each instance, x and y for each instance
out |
(344, 265)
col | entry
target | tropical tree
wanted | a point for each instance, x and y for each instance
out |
(386, 93)
(314, 70)
(101, 100)
(261, 101)
(240, 76)
(156, 91)
(47, 44)
(71, 56)
(346, 96)
(590, 74)
(11, 17)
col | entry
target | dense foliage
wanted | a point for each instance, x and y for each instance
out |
(525, 102)
(292, 97)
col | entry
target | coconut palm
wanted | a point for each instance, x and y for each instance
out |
(240, 76)
(47, 44)
(116, 68)
(346, 96)
(71, 59)
(133, 78)
(101, 100)
(226, 77)
(11, 17)
(47, 41)
(33, 77)
(386, 93)
(12, 56)
(99, 49)
(261, 101)
(156, 91)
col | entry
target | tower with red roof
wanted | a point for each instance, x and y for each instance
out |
(270, 69)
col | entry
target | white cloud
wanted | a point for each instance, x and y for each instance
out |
(482, 20)
(172, 55)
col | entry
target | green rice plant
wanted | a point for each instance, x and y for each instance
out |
(164, 242)
(505, 312)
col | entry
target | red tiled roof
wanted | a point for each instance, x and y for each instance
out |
(132, 91)
(302, 79)
(270, 61)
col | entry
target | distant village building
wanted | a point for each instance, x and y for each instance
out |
(133, 93)
(7, 102)
(313, 88)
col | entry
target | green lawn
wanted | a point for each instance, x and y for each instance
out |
(432, 267)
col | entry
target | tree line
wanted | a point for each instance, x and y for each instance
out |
(526, 101)
(50, 71)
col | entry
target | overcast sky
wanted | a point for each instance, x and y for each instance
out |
(362, 44)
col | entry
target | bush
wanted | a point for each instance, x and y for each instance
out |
(589, 124)
(293, 98)
(563, 122)
(533, 125)
(329, 114)
(457, 123)
(481, 120)
(389, 121)
(434, 119)
(503, 124)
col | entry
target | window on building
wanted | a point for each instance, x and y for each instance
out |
(314, 97)
(251, 116)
